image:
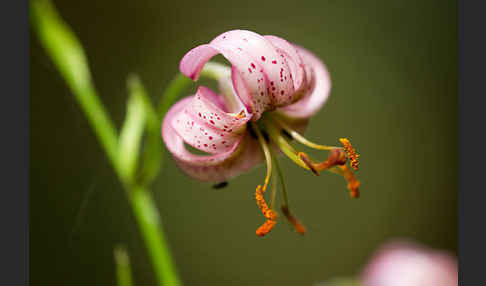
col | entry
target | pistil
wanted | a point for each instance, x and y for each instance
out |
(285, 207)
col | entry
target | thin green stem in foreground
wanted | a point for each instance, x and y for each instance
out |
(172, 93)
(123, 269)
(152, 231)
(68, 56)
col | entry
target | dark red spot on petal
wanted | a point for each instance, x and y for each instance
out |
(253, 65)
(263, 58)
(212, 122)
(274, 62)
(210, 137)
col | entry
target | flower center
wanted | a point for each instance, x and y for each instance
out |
(274, 130)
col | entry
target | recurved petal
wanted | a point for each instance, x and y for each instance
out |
(262, 74)
(292, 57)
(320, 86)
(240, 157)
(204, 124)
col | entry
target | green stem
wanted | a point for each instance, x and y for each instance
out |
(148, 219)
(172, 93)
(123, 271)
(68, 56)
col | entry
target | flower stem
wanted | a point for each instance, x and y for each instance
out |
(123, 269)
(148, 219)
(68, 56)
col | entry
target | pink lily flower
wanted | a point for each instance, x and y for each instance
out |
(264, 100)
(407, 264)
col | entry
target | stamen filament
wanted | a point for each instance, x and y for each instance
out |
(336, 157)
(266, 152)
(283, 145)
(268, 213)
(299, 138)
(353, 183)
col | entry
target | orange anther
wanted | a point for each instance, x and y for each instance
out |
(265, 228)
(353, 156)
(268, 213)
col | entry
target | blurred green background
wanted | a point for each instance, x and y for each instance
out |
(393, 67)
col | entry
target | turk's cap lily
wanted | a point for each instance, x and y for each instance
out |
(403, 263)
(264, 100)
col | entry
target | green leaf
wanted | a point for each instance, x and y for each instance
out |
(152, 151)
(68, 56)
(172, 93)
(132, 129)
(123, 271)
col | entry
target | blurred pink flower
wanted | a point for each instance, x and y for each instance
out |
(268, 95)
(402, 263)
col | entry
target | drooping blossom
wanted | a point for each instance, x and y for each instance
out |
(402, 263)
(264, 101)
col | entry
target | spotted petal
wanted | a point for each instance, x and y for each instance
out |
(316, 96)
(204, 124)
(261, 73)
(242, 155)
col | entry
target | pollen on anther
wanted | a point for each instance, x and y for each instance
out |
(351, 152)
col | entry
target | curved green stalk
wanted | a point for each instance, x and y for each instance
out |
(123, 269)
(68, 56)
